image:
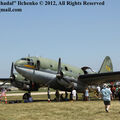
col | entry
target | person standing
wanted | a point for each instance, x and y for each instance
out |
(66, 96)
(74, 94)
(119, 93)
(113, 91)
(57, 96)
(3, 94)
(86, 94)
(106, 95)
(98, 91)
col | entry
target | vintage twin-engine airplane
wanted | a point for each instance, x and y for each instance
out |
(36, 72)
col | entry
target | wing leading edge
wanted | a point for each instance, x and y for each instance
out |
(94, 79)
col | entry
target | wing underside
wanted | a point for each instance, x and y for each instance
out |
(94, 79)
(5, 80)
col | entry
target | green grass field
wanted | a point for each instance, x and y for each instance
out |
(78, 110)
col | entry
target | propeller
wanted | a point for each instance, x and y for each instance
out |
(60, 75)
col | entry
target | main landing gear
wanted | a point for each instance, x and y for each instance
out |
(48, 94)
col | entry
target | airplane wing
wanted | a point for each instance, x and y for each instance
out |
(94, 79)
(5, 79)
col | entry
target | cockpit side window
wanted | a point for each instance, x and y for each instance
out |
(23, 59)
(66, 68)
(30, 61)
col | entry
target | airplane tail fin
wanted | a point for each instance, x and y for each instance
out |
(106, 65)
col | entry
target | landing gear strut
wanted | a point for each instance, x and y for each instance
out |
(48, 94)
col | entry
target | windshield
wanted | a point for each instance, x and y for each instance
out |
(29, 61)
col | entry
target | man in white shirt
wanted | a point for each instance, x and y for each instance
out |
(98, 91)
(74, 94)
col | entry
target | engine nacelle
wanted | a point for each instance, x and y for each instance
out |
(67, 82)
(23, 84)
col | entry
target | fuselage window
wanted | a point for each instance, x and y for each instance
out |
(38, 65)
(51, 66)
(66, 68)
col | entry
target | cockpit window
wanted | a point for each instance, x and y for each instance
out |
(23, 59)
(29, 61)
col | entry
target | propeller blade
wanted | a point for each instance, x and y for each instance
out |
(59, 71)
(11, 73)
(12, 76)
(10, 79)
(59, 66)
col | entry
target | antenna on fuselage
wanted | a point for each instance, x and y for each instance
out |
(28, 55)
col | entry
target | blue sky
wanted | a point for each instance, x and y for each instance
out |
(80, 35)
